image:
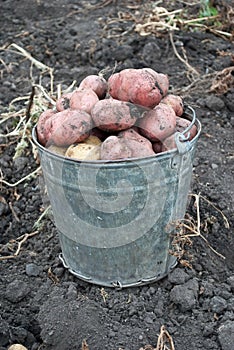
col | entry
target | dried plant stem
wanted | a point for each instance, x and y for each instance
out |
(52, 276)
(195, 234)
(21, 180)
(14, 132)
(199, 82)
(17, 99)
(45, 94)
(185, 61)
(70, 87)
(197, 196)
(37, 223)
(13, 212)
(104, 294)
(44, 68)
(14, 114)
(22, 144)
(100, 5)
(221, 32)
(59, 91)
(194, 20)
(37, 63)
(5, 65)
(164, 337)
(84, 345)
(197, 231)
(226, 223)
(20, 240)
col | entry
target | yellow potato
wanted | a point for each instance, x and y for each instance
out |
(93, 140)
(84, 151)
(17, 347)
(57, 149)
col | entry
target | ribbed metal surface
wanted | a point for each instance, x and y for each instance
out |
(113, 217)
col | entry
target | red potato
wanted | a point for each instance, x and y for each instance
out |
(161, 80)
(169, 143)
(63, 102)
(53, 123)
(115, 115)
(42, 134)
(138, 150)
(175, 102)
(112, 148)
(182, 124)
(68, 127)
(133, 134)
(83, 99)
(139, 145)
(144, 87)
(157, 146)
(158, 123)
(95, 82)
(128, 144)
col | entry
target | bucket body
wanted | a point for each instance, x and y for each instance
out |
(115, 218)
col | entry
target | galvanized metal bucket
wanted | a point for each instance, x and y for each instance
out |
(113, 217)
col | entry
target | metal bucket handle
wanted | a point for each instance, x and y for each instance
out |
(182, 138)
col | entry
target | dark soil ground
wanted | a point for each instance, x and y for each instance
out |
(43, 306)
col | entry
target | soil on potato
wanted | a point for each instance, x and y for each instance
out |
(44, 306)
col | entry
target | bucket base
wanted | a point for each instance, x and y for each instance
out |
(118, 284)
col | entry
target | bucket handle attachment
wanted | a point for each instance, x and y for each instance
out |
(182, 138)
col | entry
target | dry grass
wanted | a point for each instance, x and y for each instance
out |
(15, 245)
(189, 228)
(223, 81)
(165, 341)
(161, 17)
(155, 19)
(35, 103)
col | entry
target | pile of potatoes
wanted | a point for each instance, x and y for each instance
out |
(130, 115)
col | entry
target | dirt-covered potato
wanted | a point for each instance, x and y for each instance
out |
(95, 82)
(182, 124)
(128, 144)
(169, 143)
(144, 87)
(63, 102)
(139, 145)
(83, 99)
(114, 148)
(42, 131)
(115, 115)
(161, 80)
(84, 151)
(158, 123)
(175, 102)
(68, 127)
